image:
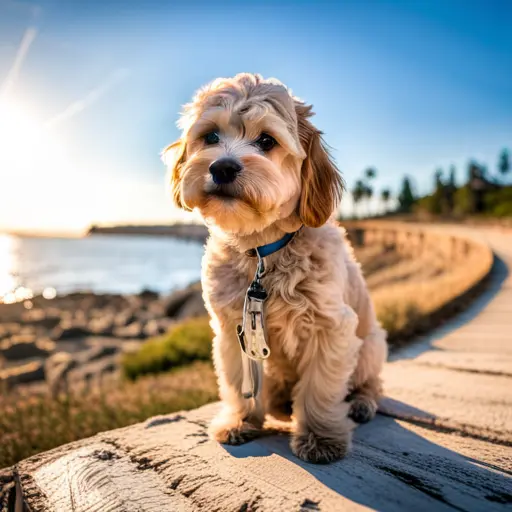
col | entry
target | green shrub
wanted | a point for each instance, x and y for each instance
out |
(499, 203)
(188, 341)
(463, 200)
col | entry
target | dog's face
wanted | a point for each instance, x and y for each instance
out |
(249, 157)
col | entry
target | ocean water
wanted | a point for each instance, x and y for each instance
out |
(100, 263)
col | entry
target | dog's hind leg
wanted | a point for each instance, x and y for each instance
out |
(324, 430)
(366, 388)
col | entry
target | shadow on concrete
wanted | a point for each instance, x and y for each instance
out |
(499, 274)
(394, 468)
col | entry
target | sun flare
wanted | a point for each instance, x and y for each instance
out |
(32, 161)
(21, 136)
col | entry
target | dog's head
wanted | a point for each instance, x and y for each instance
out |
(249, 157)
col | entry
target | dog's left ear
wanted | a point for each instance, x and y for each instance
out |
(322, 184)
(174, 157)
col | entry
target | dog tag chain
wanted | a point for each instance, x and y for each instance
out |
(252, 335)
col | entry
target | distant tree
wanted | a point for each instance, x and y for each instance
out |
(370, 173)
(368, 194)
(385, 196)
(438, 175)
(406, 197)
(475, 170)
(452, 180)
(504, 162)
(463, 200)
(358, 192)
(477, 185)
(436, 202)
(451, 189)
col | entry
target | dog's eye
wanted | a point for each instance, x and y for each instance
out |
(266, 142)
(211, 138)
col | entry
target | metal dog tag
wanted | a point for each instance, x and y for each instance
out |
(251, 333)
(253, 337)
(253, 323)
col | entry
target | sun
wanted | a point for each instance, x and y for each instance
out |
(21, 136)
(32, 164)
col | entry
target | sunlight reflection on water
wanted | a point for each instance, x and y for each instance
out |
(7, 280)
(102, 264)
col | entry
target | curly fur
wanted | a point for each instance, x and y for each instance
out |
(327, 348)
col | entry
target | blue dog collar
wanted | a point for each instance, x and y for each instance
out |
(266, 250)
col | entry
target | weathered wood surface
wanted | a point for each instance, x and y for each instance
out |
(441, 442)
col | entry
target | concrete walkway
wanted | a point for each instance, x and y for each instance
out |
(442, 442)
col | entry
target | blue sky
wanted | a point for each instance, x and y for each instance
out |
(402, 86)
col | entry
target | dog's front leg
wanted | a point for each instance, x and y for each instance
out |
(240, 419)
(324, 429)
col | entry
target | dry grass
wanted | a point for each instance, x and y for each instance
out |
(422, 279)
(30, 424)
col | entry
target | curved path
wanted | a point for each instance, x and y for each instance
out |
(442, 442)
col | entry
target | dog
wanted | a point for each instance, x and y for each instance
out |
(250, 161)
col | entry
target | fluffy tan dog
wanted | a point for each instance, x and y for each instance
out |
(251, 162)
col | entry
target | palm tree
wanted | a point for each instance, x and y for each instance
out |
(406, 198)
(504, 163)
(385, 196)
(358, 193)
(368, 194)
(370, 173)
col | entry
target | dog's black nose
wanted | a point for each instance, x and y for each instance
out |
(224, 170)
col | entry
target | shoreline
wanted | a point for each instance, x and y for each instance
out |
(196, 232)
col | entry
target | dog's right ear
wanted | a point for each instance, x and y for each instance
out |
(174, 156)
(322, 184)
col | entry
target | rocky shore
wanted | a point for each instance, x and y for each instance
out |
(80, 337)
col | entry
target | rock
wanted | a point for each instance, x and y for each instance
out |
(134, 330)
(158, 326)
(124, 318)
(80, 316)
(25, 347)
(4, 333)
(157, 309)
(99, 352)
(101, 325)
(22, 337)
(193, 307)
(57, 369)
(148, 294)
(69, 330)
(153, 328)
(175, 304)
(24, 374)
(41, 318)
(9, 329)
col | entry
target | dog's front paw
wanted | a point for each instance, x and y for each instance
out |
(234, 432)
(362, 409)
(320, 450)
